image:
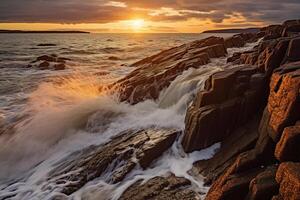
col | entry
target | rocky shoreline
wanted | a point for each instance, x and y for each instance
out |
(252, 109)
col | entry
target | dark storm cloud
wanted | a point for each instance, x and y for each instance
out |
(100, 11)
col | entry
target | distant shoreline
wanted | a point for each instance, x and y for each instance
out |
(20, 31)
(237, 30)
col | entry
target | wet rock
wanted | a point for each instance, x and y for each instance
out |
(273, 32)
(49, 62)
(44, 65)
(288, 148)
(243, 139)
(114, 160)
(157, 72)
(46, 45)
(264, 185)
(288, 177)
(230, 99)
(235, 58)
(291, 28)
(161, 188)
(293, 53)
(60, 66)
(46, 58)
(283, 103)
(235, 41)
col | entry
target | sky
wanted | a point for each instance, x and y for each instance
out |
(150, 16)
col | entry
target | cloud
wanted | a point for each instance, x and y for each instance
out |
(104, 11)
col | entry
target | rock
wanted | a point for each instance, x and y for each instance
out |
(293, 53)
(59, 66)
(156, 72)
(230, 99)
(235, 58)
(291, 28)
(264, 185)
(115, 58)
(283, 103)
(235, 41)
(288, 177)
(243, 139)
(44, 65)
(288, 148)
(273, 32)
(117, 157)
(46, 58)
(46, 45)
(161, 188)
(232, 185)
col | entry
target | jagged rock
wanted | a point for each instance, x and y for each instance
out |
(293, 53)
(235, 58)
(161, 188)
(232, 184)
(291, 28)
(243, 139)
(117, 156)
(157, 72)
(230, 99)
(288, 176)
(264, 185)
(273, 31)
(283, 103)
(288, 148)
(235, 41)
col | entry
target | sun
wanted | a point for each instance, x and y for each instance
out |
(137, 24)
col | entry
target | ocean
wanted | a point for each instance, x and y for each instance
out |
(46, 115)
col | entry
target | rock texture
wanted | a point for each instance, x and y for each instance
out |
(245, 167)
(116, 158)
(288, 176)
(230, 99)
(161, 188)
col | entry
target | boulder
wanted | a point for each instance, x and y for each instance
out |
(288, 147)
(161, 188)
(235, 41)
(243, 139)
(288, 177)
(231, 97)
(283, 102)
(156, 72)
(272, 31)
(293, 53)
(118, 157)
(44, 65)
(291, 28)
(264, 185)
(59, 66)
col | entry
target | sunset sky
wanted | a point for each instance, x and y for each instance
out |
(143, 15)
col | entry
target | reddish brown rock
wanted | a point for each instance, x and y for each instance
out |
(273, 32)
(291, 28)
(161, 188)
(283, 103)
(118, 156)
(288, 177)
(288, 147)
(59, 66)
(230, 99)
(157, 72)
(264, 185)
(243, 139)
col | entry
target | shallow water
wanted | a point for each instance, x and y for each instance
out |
(50, 114)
